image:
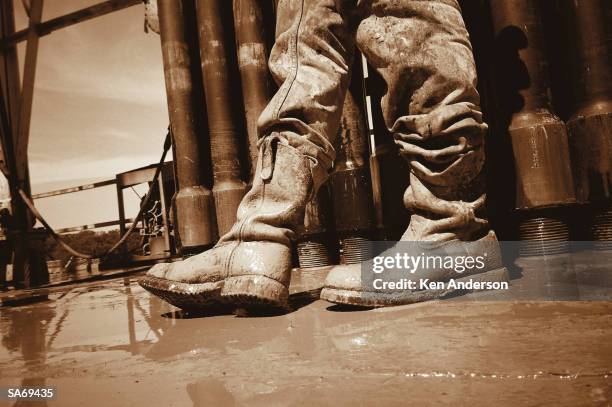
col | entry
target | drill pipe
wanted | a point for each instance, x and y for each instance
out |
(253, 49)
(539, 138)
(313, 242)
(390, 214)
(228, 188)
(350, 182)
(193, 202)
(590, 123)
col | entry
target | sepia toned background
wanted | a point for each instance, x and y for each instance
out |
(99, 109)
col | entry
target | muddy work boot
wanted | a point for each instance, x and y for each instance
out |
(432, 270)
(422, 51)
(251, 264)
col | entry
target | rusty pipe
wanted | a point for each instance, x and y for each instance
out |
(193, 202)
(588, 21)
(313, 241)
(252, 43)
(351, 191)
(539, 138)
(228, 188)
(350, 182)
(590, 124)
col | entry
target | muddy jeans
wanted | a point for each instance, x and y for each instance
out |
(422, 51)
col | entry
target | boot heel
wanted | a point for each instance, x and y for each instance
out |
(255, 291)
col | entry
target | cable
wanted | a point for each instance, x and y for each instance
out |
(167, 144)
(135, 193)
(54, 235)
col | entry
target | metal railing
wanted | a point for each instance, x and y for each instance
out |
(80, 188)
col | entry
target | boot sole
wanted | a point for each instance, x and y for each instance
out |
(184, 295)
(254, 291)
(372, 299)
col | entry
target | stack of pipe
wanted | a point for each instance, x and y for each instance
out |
(193, 201)
(544, 185)
(213, 92)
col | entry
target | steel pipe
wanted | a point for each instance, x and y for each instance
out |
(539, 138)
(228, 187)
(313, 241)
(193, 201)
(590, 124)
(350, 182)
(252, 43)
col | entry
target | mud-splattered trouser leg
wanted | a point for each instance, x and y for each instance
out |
(421, 49)
(310, 62)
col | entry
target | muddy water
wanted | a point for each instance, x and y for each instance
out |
(114, 344)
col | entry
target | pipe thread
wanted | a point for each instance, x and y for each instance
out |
(541, 236)
(355, 249)
(313, 253)
(601, 229)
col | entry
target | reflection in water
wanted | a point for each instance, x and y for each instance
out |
(84, 320)
(132, 304)
(27, 334)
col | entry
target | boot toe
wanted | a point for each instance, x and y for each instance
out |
(202, 268)
(345, 277)
(159, 270)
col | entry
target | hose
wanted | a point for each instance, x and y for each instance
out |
(167, 144)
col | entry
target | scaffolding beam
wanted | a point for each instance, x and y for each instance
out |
(69, 19)
(9, 71)
(21, 138)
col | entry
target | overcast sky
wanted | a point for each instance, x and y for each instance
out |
(99, 109)
(99, 101)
